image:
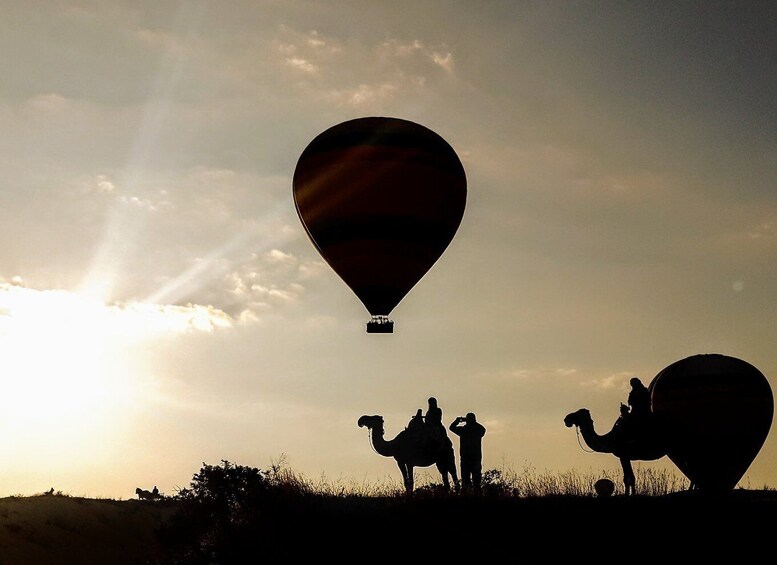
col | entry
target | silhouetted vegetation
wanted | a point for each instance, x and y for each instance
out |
(231, 513)
(228, 510)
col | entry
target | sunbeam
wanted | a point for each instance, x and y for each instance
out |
(123, 226)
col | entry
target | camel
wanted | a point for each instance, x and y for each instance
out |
(409, 452)
(147, 495)
(647, 446)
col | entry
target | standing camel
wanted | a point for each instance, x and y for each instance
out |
(409, 451)
(649, 447)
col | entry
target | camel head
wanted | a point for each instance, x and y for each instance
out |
(577, 418)
(372, 422)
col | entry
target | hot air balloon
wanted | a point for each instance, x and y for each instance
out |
(381, 199)
(716, 411)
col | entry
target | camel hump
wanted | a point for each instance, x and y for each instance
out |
(430, 439)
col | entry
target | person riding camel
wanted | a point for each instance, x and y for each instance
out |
(435, 430)
(634, 418)
(639, 400)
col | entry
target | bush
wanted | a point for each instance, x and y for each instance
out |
(227, 510)
(226, 489)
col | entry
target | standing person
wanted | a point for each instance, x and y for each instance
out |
(470, 449)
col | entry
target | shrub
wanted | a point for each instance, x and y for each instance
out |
(227, 509)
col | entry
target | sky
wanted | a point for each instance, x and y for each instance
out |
(161, 305)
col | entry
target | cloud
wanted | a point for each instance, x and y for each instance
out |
(51, 102)
(159, 40)
(138, 202)
(359, 73)
(171, 237)
(170, 318)
(444, 61)
(363, 94)
(617, 381)
(263, 283)
(311, 269)
(302, 64)
(27, 309)
(149, 198)
(417, 54)
(533, 374)
(764, 230)
(104, 184)
(278, 256)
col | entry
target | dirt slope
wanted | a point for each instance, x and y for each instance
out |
(68, 530)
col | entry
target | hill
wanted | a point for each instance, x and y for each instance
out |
(69, 530)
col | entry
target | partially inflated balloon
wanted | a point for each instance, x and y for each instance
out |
(381, 199)
(717, 411)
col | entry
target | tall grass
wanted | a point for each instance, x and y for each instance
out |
(532, 483)
(503, 482)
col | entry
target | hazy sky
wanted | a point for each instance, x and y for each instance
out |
(161, 305)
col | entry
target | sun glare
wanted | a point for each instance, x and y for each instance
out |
(76, 377)
(62, 367)
(69, 364)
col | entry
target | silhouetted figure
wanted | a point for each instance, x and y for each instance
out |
(433, 413)
(148, 494)
(470, 449)
(639, 400)
(416, 424)
(633, 422)
(435, 430)
(648, 447)
(622, 423)
(409, 453)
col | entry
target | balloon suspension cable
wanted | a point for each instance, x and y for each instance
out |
(380, 325)
(577, 431)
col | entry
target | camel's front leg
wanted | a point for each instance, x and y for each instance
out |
(407, 476)
(629, 480)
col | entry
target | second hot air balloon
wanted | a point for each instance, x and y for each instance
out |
(716, 411)
(381, 199)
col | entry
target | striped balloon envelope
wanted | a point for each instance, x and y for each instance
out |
(716, 412)
(381, 199)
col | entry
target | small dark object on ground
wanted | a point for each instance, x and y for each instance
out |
(604, 487)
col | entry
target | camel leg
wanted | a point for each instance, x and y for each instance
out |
(444, 474)
(442, 468)
(406, 477)
(629, 480)
(454, 474)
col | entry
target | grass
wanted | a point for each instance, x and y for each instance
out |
(502, 482)
(539, 516)
(235, 514)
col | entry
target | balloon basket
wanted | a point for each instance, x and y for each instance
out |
(380, 325)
